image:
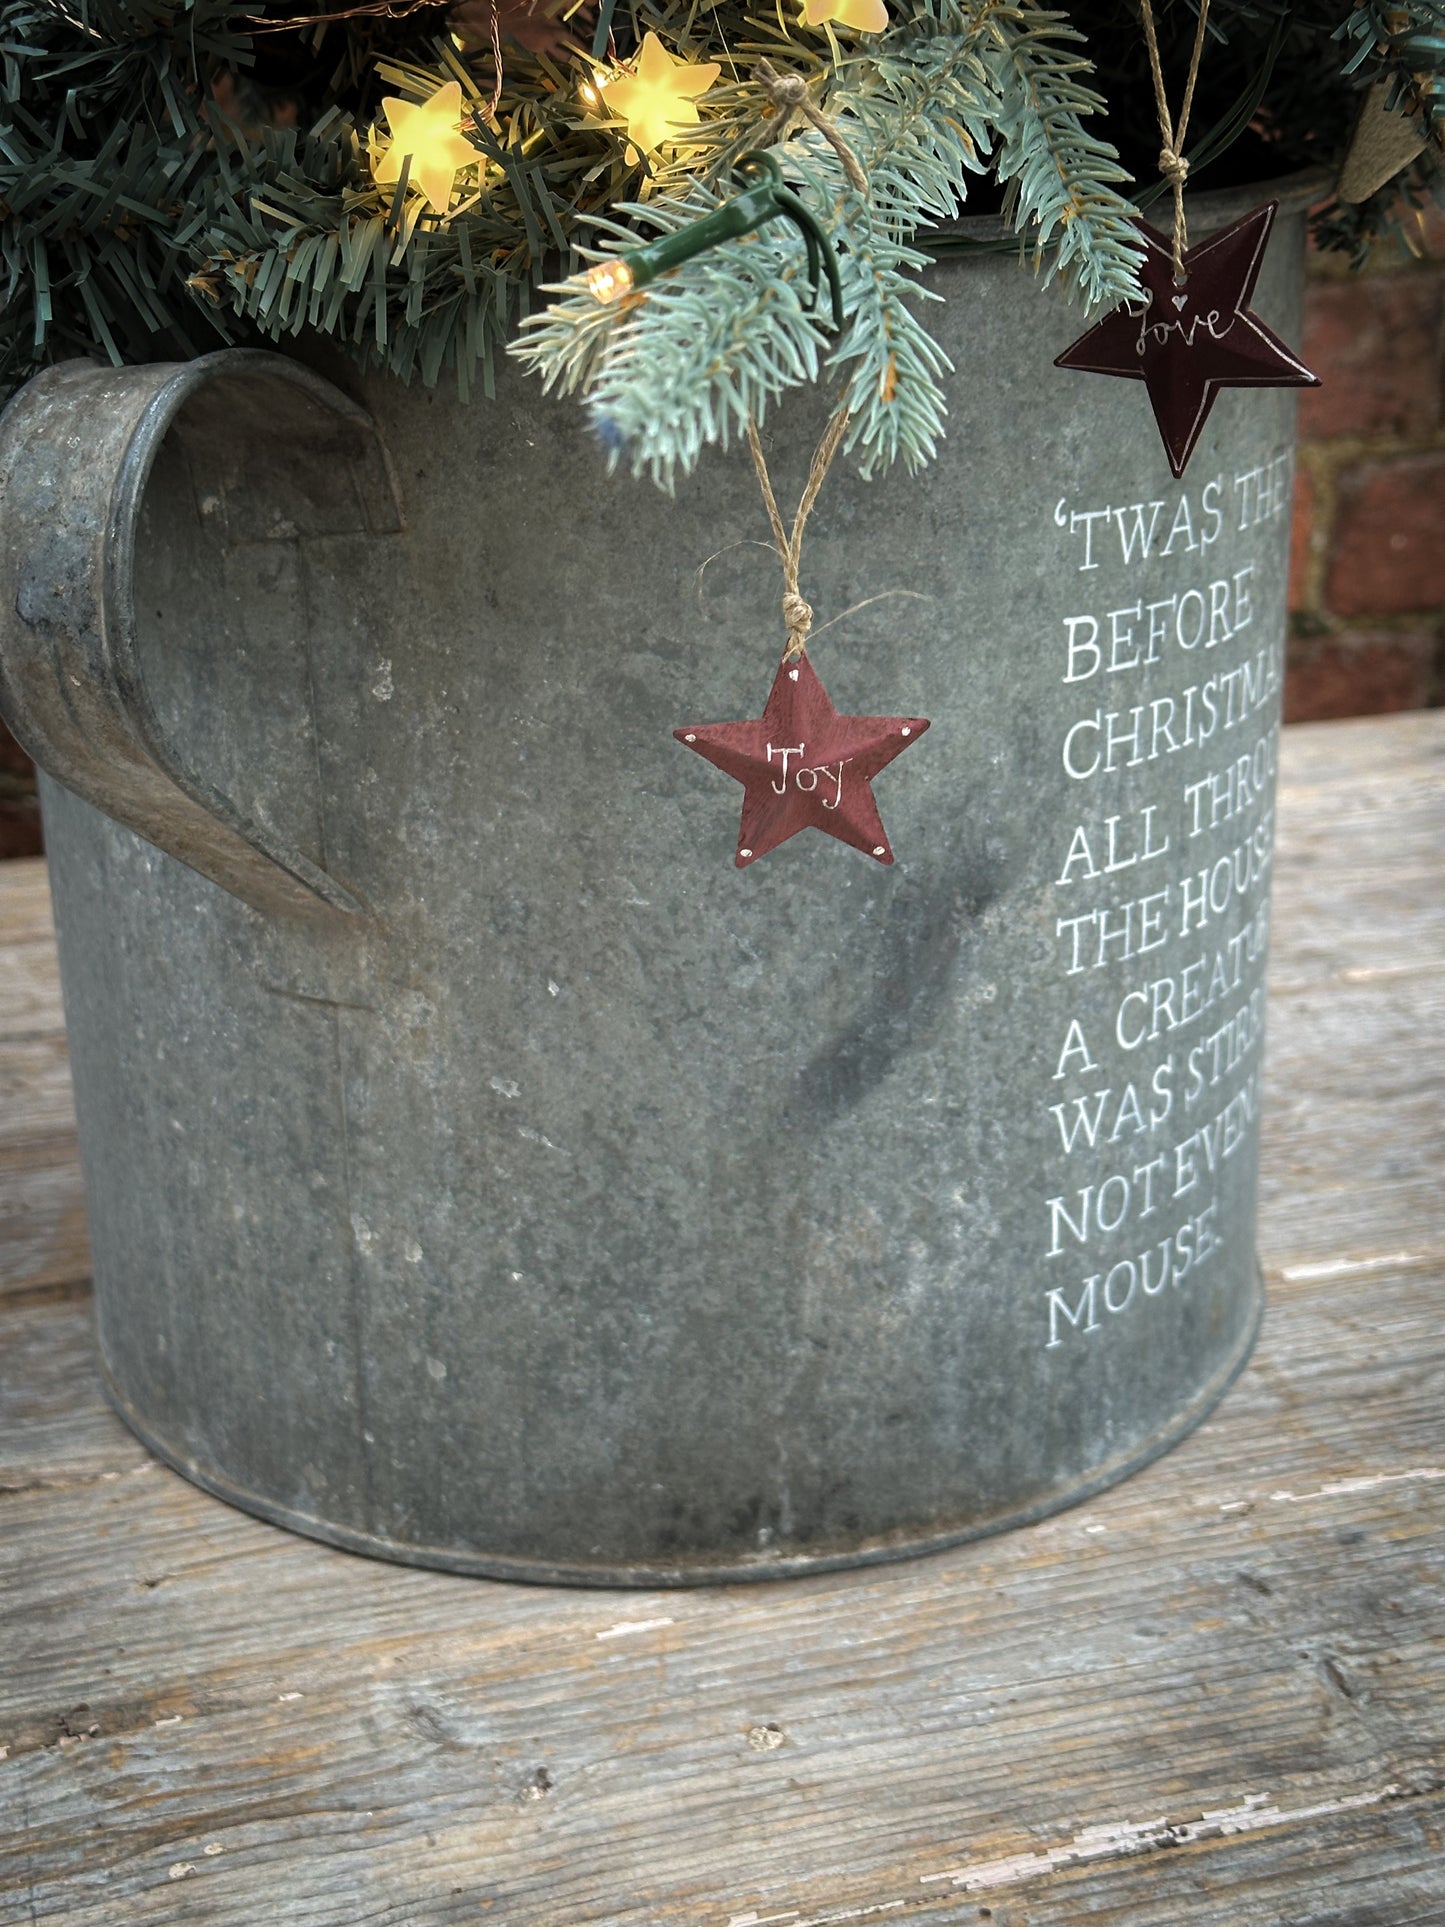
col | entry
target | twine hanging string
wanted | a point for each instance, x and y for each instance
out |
(789, 95)
(1172, 164)
(494, 27)
(797, 613)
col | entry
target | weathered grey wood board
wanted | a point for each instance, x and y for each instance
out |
(1215, 1695)
(42, 1212)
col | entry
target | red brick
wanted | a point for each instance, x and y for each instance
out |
(1359, 675)
(1388, 541)
(1428, 232)
(1300, 544)
(13, 759)
(20, 834)
(19, 806)
(1375, 345)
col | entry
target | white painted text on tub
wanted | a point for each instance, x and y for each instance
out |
(1137, 635)
(1141, 531)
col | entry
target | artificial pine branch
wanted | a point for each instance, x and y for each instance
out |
(723, 337)
(175, 174)
(1394, 214)
(1061, 179)
(1405, 43)
(719, 339)
(100, 142)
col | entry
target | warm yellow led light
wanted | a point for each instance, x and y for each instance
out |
(863, 16)
(427, 135)
(656, 98)
(609, 280)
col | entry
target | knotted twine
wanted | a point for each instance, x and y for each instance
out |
(797, 612)
(1172, 164)
(789, 95)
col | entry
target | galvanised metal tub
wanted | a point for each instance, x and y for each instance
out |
(481, 1171)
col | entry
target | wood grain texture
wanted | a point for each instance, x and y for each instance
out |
(43, 1245)
(1214, 1695)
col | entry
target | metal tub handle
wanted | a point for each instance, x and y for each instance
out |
(77, 445)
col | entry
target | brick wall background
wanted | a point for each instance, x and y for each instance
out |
(1367, 591)
(19, 811)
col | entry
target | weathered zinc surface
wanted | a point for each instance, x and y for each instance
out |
(1213, 1697)
(498, 1179)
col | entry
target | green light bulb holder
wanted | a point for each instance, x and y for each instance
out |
(768, 199)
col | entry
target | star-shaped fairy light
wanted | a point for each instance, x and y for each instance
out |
(1193, 338)
(658, 97)
(427, 136)
(803, 766)
(862, 16)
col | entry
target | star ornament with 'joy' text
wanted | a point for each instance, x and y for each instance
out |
(803, 766)
(1194, 337)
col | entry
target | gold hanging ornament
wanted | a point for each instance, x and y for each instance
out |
(425, 138)
(658, 96)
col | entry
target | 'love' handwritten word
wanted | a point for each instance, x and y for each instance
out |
(1157, 332)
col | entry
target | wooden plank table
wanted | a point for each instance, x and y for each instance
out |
(1213, 1695)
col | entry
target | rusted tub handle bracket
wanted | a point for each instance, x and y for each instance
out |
(76, 449)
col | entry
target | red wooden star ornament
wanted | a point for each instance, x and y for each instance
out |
(1194, 337)
(803, 766)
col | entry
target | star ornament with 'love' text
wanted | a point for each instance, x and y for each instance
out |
(1193, 338)
(805, 767)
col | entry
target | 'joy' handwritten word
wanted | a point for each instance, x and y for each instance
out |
(834, 772)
